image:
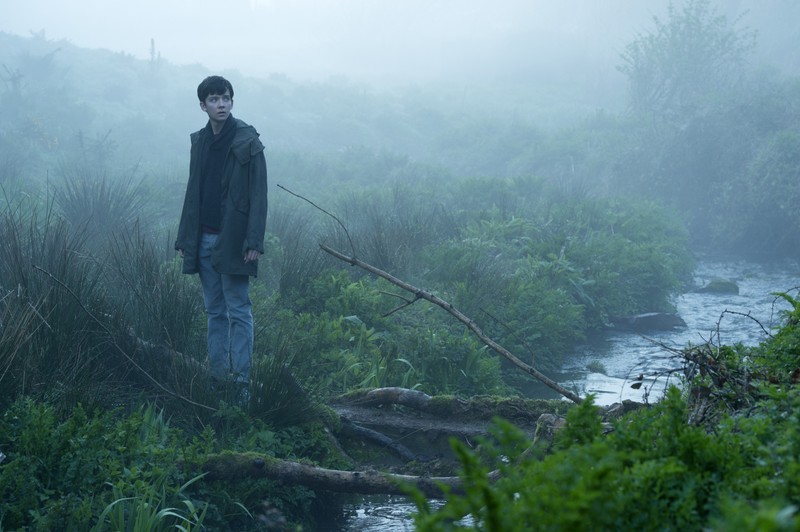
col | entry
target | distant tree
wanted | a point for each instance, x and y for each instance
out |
(686, 63)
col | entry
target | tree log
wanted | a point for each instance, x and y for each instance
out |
(237, 466)
(398, 396)
(413, 424)
(351, 428)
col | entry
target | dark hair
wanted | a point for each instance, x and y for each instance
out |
(213, 85)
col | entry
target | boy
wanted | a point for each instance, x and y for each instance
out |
(221, 232)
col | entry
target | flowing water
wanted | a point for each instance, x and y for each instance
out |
(617, 359)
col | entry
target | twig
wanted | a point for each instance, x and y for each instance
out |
(408, 303)
(746, 315)
(347, 233)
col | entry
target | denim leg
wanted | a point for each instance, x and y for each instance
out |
(237, 296)
(216, 310)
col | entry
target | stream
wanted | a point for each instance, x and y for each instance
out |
(720, 319)
(617, 358)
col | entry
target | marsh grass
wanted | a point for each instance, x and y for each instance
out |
(281, 394)
(62, 350)
(392, 227)
(97, 206)
(18, 320)
(299, 260)
(161, 303)
(96, 324)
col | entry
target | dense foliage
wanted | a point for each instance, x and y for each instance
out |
(111, 470)
(708, 132)
(541, 236)
(661, 467)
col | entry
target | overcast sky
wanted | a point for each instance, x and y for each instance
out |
(363, 40)
(369, 40)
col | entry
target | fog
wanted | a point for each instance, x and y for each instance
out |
(507, 155)
(502, 85)
(365, 40)
(414, 40)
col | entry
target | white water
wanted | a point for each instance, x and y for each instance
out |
(721, 319)
(716, 318)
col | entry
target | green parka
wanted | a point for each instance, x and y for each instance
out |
(244, 205)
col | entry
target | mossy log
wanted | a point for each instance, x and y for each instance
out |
(237, 466)
(416, 427)
(445, 415)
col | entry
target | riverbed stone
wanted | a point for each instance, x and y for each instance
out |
(720, 286)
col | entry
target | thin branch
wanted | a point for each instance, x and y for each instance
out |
(408, 303)
(746, 315)
(471, 325)
(346, 232)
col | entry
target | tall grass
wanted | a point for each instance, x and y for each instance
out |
(91, 323)
(299, 259)
(97, 206)
(62, 349)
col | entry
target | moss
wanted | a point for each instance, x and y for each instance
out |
(330, 418)
(489, 406)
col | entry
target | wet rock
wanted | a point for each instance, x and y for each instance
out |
(649, 321)
(719, 286)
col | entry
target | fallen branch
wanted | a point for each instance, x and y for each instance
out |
(429, 425)
(238, 466)
(397, 448)
(471, 325)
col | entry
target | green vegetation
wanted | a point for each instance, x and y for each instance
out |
(107, 470)
(95, 327)
(542, 236)
(721, 455)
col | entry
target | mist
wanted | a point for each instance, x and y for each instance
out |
(468, 201)
(395, 42)
(377, 42)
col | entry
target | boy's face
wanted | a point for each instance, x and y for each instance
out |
(218, 107)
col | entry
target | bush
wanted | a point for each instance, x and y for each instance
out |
(62, 475)
(662, 467)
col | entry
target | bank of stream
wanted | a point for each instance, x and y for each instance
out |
(614, 360)
(609, 365)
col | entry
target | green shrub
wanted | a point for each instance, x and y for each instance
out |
(739, 469)
(61, 475)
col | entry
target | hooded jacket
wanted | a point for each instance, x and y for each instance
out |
(244, 205)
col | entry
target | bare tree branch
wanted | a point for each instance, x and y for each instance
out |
(346, 232)
(471, 325)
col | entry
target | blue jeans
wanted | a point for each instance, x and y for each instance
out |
(230, 318)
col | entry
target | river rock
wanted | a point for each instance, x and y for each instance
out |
(720, 286)
(649, 321)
